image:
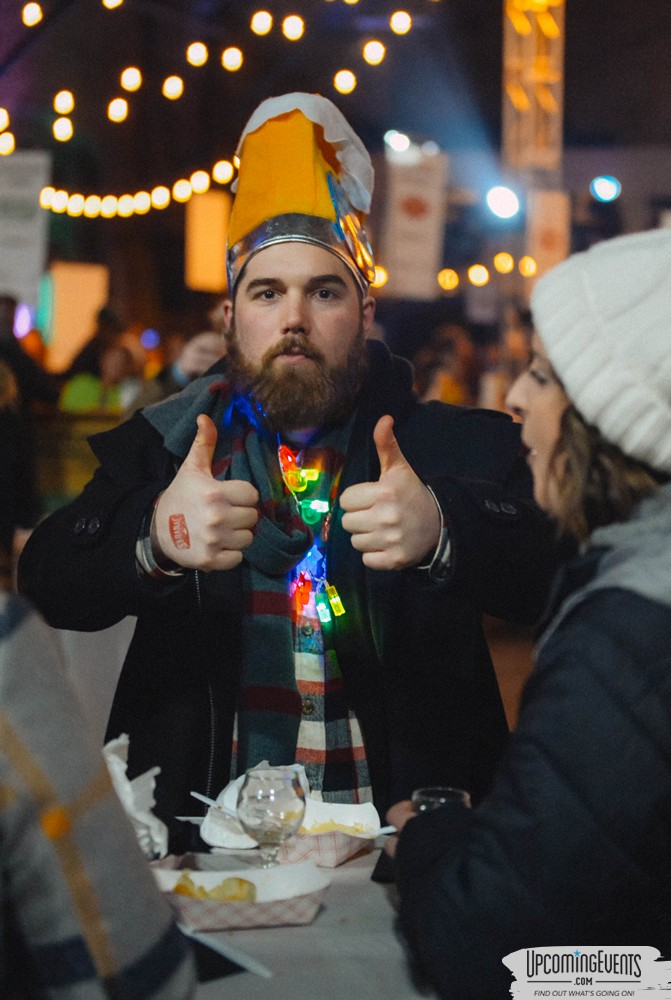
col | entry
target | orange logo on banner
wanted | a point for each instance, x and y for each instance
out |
(414, 207)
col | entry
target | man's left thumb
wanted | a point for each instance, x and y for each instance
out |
(388, 449)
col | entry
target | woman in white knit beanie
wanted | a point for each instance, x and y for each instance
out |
(571, 850)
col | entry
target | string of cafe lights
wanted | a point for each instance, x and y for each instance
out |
(223, 171)
(160, 197)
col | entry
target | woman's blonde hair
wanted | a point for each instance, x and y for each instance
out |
(599, 484)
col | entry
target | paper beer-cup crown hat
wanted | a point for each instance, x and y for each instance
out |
(304, 177)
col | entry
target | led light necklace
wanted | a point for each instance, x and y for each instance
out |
(312, 578)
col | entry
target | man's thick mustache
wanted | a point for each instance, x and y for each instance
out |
(292, 344)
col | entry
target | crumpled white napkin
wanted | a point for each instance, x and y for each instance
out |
(137, 798)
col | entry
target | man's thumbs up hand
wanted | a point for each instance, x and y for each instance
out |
(395, 522)
(200, 522)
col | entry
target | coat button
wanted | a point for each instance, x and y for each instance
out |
(508, 508)
(307, 630)
(93, 525)
(490, 505)
(308, 707)
(79, 526)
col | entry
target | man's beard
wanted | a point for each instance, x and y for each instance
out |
(310, 394)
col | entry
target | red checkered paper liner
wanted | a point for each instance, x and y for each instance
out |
(326, 850)
(285, 896)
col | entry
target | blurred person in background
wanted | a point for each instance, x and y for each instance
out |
(506, 358)
(446, 368)
(88, 393)
(35, 385)
(572, 845)
(197, 354)
(107, 333)
(80, 913)
(27, 389)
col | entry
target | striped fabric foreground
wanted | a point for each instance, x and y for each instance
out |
(80, 914)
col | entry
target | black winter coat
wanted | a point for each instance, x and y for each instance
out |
(572, 846)
(416, 665)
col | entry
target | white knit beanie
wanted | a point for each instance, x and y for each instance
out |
(604, 317)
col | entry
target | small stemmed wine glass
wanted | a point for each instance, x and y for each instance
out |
(271, 806)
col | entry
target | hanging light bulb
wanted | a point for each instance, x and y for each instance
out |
(344, 81)
(197, 54)
(293, 27)
(232, 58)
(131, 79)
(261, 22)
(117, 110)
(62, 129)
(64, 102)
(31, 14)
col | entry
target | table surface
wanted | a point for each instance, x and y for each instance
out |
(351, 950)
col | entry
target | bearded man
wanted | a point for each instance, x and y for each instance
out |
(308, 550)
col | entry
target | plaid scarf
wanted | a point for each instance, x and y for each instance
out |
(269, 703)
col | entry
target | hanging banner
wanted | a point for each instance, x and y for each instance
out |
(413, 229)
(23, 224)
(548, 236)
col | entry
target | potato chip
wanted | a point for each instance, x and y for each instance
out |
(231, 890)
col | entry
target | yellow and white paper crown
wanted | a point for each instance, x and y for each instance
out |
(306, 177)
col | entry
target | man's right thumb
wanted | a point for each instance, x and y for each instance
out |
(202, 449)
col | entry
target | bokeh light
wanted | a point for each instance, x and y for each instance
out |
(181, 190)
(504, 262)
(381, 277)
(62, 129)
(64, 102)
(374, 52)
(108, 206)
(59, 201)
(125, 206)
(141, 202)
(200, 181)
(293, 27)
(400, 22)
(197, 54)
(7, 143)
(527, 266)
(131, 79)
(448, 279)
(117, 110)
(223, 171)
(344, 81)
(150, 339)
(173, 87)
(232, 58)
(160, 197)
(398, 141)
(478, 275)
(503, 202)
(31, 14)
(4, 119)
(76, 204)
(605, 188)
(92, 206)
(261, 22)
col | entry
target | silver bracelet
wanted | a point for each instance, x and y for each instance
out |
(144, 552)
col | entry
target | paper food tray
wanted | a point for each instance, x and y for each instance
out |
(284, 895)
(326, 850)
